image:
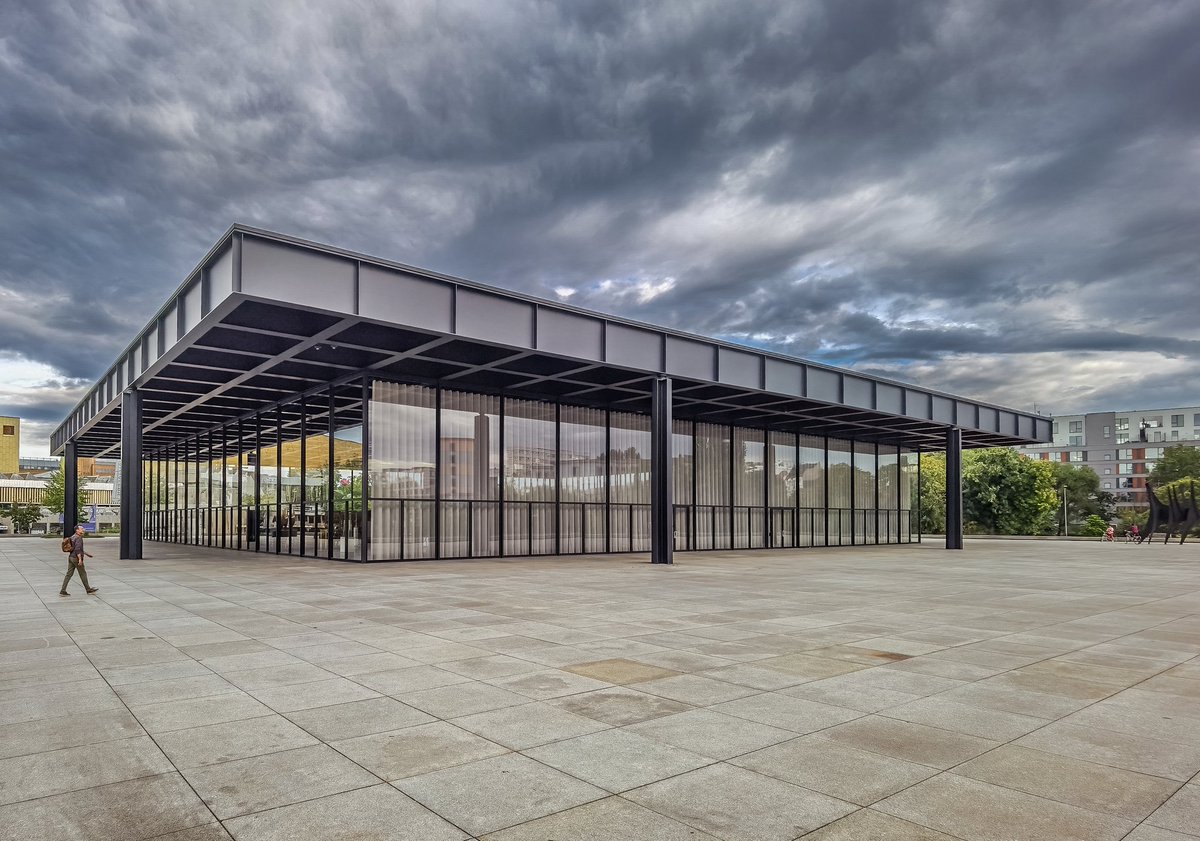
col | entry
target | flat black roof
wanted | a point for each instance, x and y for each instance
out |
(266, 316)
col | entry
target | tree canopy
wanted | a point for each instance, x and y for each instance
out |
(1178, 462)
(1007, 493)
(53, 500)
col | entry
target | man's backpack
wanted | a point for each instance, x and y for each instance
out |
(68, 544)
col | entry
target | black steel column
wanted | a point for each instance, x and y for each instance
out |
(131, 475)
(954, 504)
(364, 526)
(662, 516)
(70, 512)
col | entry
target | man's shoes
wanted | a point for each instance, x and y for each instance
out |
(93, 590)
(63, 593)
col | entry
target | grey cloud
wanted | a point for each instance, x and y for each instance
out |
(928, 188)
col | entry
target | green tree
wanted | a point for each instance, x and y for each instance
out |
(1006, 493)
(24, 516)
(933, 493)
(1093, 526)
(1085, 499)
(1185, 490)
(1178, 462)
(52, 498)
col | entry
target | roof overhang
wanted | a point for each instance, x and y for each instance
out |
(265, 317)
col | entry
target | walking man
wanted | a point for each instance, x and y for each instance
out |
(75, 559)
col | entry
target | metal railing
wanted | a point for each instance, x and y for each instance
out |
(405, 529)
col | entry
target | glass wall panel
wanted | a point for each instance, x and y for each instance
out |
(219, 482)
(269, 480)
(712, 452)
(470, 471)
(889, 494)
(782, 488)
(582, 474)
(749, 488)
(864, 492)
(203, 501)
(529, 470)
(291, 503)
(402, 470)
(810, 485)
(681, 478)
(840, 480)
(317, 475)
(909, 498)
(250, 522)
(629, 482)
(348, 490)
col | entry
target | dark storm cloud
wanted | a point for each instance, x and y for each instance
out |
(994, 198)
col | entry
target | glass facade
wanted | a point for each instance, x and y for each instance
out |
(441, 473)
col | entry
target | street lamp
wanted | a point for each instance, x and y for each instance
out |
(1064, 496)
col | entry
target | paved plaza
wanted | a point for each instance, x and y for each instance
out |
(1016, 690)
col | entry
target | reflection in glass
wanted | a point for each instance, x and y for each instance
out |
(402, 470)
(864, 492)
(582, 474)
(629, 481)
(712, 486)
(889, 494)
(470, 475)
(810, 485)
(529, 485)
(840, 482)
(782, 490)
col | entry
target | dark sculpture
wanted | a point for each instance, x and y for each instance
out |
(1184, 514)
(1159, 513)
(1176, 515)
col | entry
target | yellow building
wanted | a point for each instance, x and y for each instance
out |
(10, 444)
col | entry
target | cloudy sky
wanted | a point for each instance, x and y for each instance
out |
(993, 198)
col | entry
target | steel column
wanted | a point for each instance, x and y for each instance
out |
(954, 502)
(662, 516)
(70, 512)
(131, 475)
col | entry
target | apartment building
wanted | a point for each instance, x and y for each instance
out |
(1121, 446)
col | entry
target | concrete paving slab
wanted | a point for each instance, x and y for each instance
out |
(250, 785)
(133, 810)
(619, 705)
(617, 759)
(1181, 813)
(68, 731)
(358, 718)
(193, 712)
(1156, 757)
(216, 743)
(876, 826)
(847, 773)
(1099, 647)
(779, 710)
(378, 813)
(306, 696)
(528, 726)
(86, 766)
(208, 832)
(497, 793)
(548, 683)
(978, 811)
(611, 819)
(416, 750)
(740, 805)
(712, 734)
(1099, 788)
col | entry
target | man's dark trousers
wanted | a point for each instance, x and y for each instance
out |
(72, 563)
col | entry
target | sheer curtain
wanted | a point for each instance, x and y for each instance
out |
(402, 464)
